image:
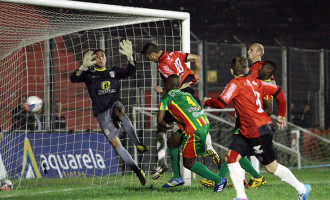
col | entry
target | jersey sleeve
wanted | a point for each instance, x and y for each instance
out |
(269, 88)
(74, 78)
(165, 70)
(164, 103)
(182, 55)
(125, 72)
(230, 92)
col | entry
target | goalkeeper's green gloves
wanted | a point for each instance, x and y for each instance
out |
(126, 49)
(88, 61)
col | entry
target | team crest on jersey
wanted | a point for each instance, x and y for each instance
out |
(112, 74)
(106, 85)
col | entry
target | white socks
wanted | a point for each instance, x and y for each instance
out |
(255, 163)
(208, 142)
(161, 149)
(286, 176)
(237, 177)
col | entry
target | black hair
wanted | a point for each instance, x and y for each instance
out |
(174, 81)
(97, 50)
(150, 48)
(271, 65)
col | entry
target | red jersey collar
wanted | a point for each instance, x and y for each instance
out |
(160, 57)
(255, 63)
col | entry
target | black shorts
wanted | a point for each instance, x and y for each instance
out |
(262, 147)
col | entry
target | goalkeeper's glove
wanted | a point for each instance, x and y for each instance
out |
(88, 61)
(126, 49)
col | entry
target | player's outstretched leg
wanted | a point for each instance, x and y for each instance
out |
(203, 171)
(177, 180)
(161, 153)
(128, 160)
(127, 125)
(287, 176)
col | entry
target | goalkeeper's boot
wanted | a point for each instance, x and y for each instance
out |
(304, 196)
(142, 177)
(221, 186)
(159, 171)
(141, 148)
(174, 182)
(256, 182)
(207, 183)
(215, 157)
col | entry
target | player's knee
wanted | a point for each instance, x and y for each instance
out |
(119, 112)
(232, 157)
(271, 167)
(161, 129)
(188, 162)
(170, 145)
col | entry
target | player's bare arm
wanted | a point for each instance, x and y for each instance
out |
(197, 63)
(268, 106)
(160, 120)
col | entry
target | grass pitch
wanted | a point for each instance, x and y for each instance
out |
(57, 189)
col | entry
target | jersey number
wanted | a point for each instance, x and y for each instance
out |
(190, 101)
(178, 65)
(258, 102)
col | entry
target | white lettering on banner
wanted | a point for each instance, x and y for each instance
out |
(100, 160)
(93, 159)
(66, 162)
(70, 161)
(86, 160)
(53, 157)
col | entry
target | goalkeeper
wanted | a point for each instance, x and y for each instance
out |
(195, 125)
(103, 84)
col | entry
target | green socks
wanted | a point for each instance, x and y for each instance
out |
(203, 171)
(175, 160)
(245, 164)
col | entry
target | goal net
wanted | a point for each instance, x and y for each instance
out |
(41, 45)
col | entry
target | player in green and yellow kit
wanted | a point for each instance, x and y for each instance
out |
(195, 126)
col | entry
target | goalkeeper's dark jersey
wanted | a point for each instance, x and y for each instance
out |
(103, 86)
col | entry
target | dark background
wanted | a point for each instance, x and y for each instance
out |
(303, 23)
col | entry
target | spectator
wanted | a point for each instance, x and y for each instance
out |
(21, 116)
(60, 123)
(305, 117)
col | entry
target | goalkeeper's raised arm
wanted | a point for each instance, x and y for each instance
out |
(104, 87)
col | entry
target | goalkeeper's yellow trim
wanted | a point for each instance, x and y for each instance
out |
(100, 70)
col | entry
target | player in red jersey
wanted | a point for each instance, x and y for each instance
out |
(255, 53)
(174, 63)
(256, 131)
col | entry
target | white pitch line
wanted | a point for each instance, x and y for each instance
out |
(44, 192)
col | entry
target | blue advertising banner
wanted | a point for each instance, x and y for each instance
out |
(58, 155)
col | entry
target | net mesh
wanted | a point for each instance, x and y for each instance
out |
(39, 51)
